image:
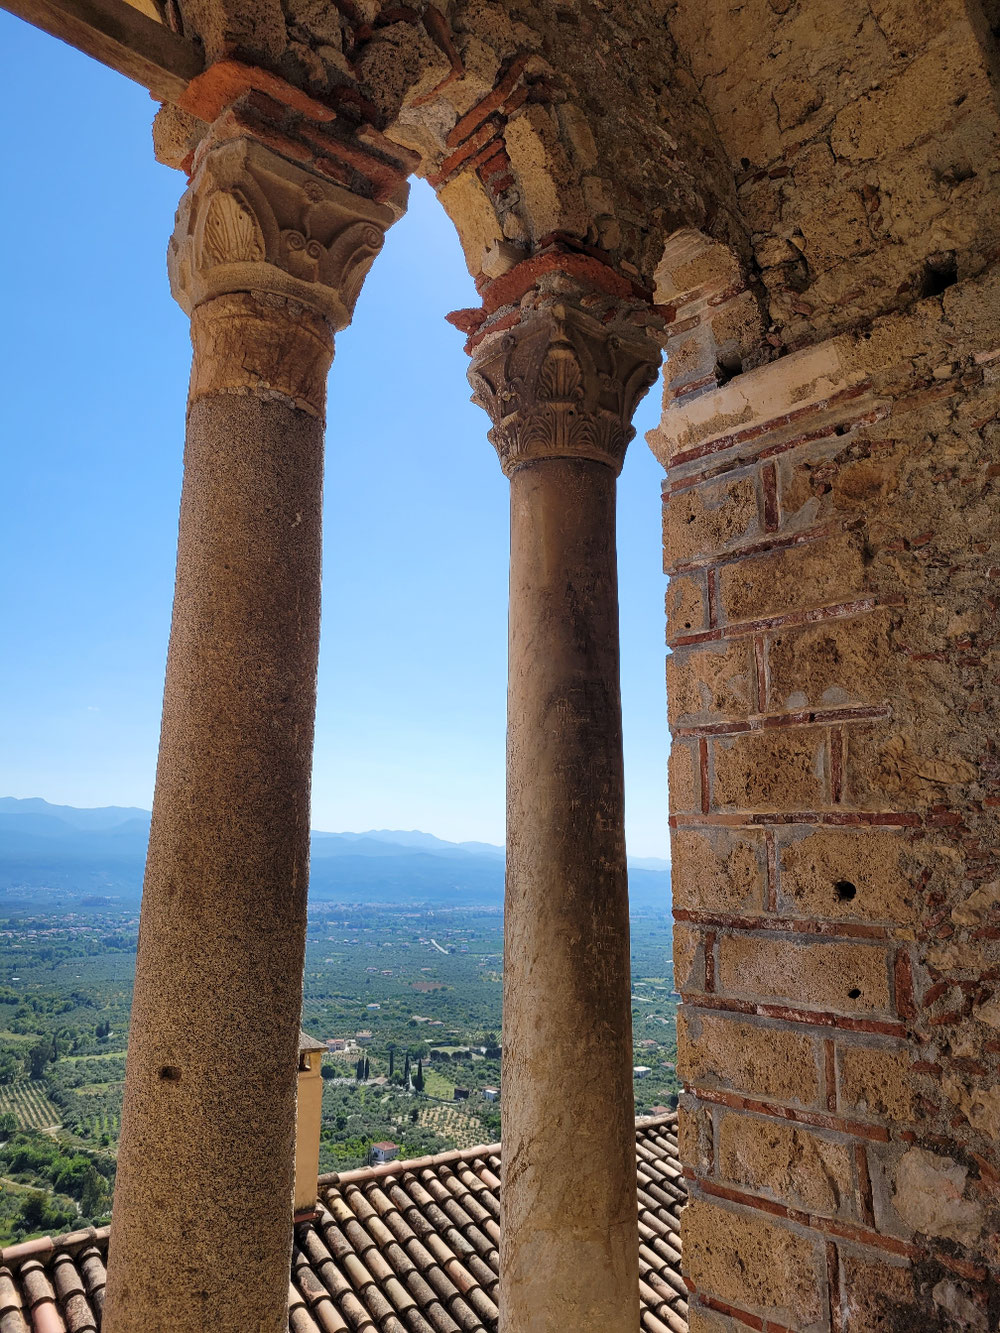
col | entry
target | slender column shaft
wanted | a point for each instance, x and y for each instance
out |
(202, 1210)
(560, 387)
(268, 261)
(568, 1254)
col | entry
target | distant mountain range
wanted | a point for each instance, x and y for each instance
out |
(101, 852)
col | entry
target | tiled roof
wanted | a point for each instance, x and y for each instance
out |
(406, 1247)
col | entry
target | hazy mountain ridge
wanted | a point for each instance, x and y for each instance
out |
(103, 850)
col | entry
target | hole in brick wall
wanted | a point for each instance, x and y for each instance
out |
(727, 368)
(854, 994)
(845, 890)
(940, 273)
(169, 1074)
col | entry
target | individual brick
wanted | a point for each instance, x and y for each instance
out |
(711, 682)
(684, 777)
(789, 1162)
(703, 520)
(845, 874)
(745, 1259)
(837, 663)
(831, 975)
(687, 604)
(874, 1081)
(825, 572)
(780, 769)
(718, 870)
(765, 1060)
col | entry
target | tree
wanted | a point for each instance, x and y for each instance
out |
(406, 1070)
(327, 1071)
(414, 1116)
(359, 1072)
(418, 1082)
(368, 1070)
(392, 1058)
(38, 1057)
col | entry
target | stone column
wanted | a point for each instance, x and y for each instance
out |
(268, 261)
(560, 388)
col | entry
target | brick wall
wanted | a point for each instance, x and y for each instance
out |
(831, 532)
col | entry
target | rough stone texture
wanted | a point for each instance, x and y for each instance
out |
(789, 1162)
(874, 1082)
(866, 766)
(831, 974)
(717, 1050)
(745, 1257)
(845, 874)
(865, 158)
(718, 870)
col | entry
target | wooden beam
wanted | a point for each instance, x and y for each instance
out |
(120, 37)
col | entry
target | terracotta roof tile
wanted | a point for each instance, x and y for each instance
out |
(403, 1247)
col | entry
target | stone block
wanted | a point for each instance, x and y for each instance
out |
(701, 1320)
(929, 1197)
(748, 1260)
(687, 604)
(718, 870)
(889, 767)
(874, 1082)
(825, 572)
(689, 958)
(788, 1162)
(782, 769)
(715, 516)
(761, 1059)
(711, 682)
(835, 664)
(845, 874)
(832, 975)
(684, 777)
(878, 1295)
(694, 1133)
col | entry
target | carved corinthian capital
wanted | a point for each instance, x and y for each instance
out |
(252, 222)
(563, 384)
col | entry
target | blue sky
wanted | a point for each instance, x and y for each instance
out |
(410, 728)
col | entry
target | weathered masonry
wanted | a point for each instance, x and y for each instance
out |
(798, 201)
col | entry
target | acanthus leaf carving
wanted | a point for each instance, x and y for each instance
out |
(251, 221)
(562, 383)
(231, 233)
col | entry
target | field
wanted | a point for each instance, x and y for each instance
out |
(419, 989)
(459, 1128)
(28, 1101)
